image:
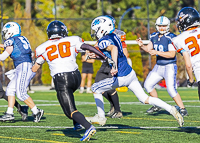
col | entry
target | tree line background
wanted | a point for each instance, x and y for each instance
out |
(77, 15)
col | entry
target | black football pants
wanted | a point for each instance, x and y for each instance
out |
(66, 84)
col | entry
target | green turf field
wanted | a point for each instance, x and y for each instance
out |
(135, 127)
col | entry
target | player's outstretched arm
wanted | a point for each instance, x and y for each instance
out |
(35, 67)
(93, 49)
(6, 53)
(39, 61)
(98, 53)
(145, 48)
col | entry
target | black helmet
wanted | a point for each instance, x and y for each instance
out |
(56, 29)
(186, 18)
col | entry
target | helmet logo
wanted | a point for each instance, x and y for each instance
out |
(98, 21)
(64, 27)
(182, 16)
(8, 26)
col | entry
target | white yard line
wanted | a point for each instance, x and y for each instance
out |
(104, 127)
(93, 103)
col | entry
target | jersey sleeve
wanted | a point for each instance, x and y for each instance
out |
(39, 51)
(171, 47)
(8, 42)
(103, 44)
(177, 45)
(151, 37)
(78, 41)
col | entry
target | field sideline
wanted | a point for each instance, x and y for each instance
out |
(136, 126)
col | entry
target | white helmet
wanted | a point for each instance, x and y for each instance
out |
(102, 26)
(11, 29)
(162, 20)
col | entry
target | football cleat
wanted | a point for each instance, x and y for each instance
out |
(154, 109)
(177, 116)
(112, 110)
(7, 117)
(96, 120)
(117, 114)
(23, 112)
(78, 127)
(88, 133)
(38, 116)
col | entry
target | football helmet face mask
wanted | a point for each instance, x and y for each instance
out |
(56, 29)
(164, 21)
(187, 17)
(11, 29)
(102, 26)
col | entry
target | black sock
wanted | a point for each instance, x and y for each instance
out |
(199, 89)
(115, 100)
(80, 118)
(108, 97)
(74, 122)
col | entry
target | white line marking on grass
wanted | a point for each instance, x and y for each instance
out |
(93, 103)
(104, 127)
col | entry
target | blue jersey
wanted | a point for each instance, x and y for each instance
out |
(21, 49)
(161, 44)
(122, 64)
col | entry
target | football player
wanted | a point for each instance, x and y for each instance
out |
(103, 73)
(60, 52)
(161, 45)
(123, 75)
(19, 49)
(188, 42)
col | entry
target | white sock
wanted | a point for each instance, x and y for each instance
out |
(81, 88)
(88, 88)
(158, 102)
(10, 110)
(100, 104)
(35, 110)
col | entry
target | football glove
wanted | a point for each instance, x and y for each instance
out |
(190, 83)
(111, 62)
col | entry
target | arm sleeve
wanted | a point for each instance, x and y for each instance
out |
(4, 55)
(171, 47)
(40, 60)
(93, 49)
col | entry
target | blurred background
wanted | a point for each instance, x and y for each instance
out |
(135, 17)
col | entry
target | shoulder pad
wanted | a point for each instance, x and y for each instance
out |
(120, 34)
(154, 34)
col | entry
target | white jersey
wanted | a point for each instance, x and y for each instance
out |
(189, 41)
(60, 54)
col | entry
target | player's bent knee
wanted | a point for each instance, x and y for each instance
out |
(147, 87)
(73, 112)
(172, 93)
(143, 99)
(22, 97)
